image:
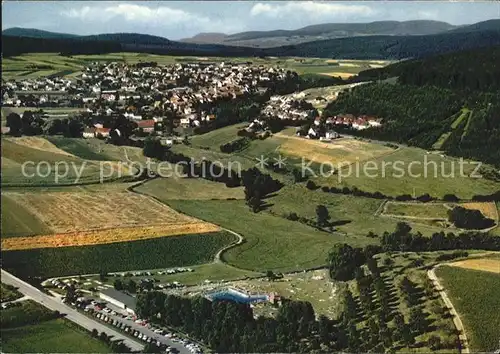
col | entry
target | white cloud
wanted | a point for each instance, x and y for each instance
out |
(134, 13)
(141, 15)
(311, 9)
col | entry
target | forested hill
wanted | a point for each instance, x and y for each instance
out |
(364, 47)
(391, 47)
(473, 70)
(462, 124)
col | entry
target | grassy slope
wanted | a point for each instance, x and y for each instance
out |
(95, 149)
(17, 221)
(135, 255)
(55, 336)
(215, 138)
(271, 242)
(476, 296)
(355, 215)
(188, 188)
(15, 155)
(392, 184)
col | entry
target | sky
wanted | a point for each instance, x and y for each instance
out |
(181, 19)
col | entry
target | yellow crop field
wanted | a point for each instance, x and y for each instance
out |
(97, 237)
(66, 212)
(484, 264)
(88, 218)
(343, 75)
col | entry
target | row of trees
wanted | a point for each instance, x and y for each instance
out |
(424, 198)
(31, 123)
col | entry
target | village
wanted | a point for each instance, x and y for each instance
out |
(165, 101)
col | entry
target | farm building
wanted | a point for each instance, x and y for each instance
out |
(119, 299)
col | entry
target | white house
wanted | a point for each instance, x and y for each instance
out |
(331, 135)
(374, 123)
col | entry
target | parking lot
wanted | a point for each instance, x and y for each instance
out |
(142, 330)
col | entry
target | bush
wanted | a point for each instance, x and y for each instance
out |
(451, 198)
(450, 256)
(311, 185)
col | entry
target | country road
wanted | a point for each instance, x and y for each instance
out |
(71, 314)
(456, 319)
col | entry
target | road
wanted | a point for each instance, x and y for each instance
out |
(71, 314)
(456, 319)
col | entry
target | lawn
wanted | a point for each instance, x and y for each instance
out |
(217, 137)
(271, 242)
(415, 172)
(173, 251)
(417, 210)
(213, 272)
(55, 336)
(189, 188)
(476, 296)
(29, 327)
(18, 221)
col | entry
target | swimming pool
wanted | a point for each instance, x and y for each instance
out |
(236, 296)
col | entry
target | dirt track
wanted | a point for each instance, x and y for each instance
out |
(456, 318)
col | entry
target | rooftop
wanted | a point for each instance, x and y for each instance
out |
(126, 299)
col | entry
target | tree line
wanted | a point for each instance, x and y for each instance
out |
(424, 198)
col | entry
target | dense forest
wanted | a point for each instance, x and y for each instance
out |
(470, 70)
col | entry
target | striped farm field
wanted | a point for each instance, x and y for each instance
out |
(154, 253)
(92, 218)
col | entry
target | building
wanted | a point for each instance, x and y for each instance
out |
(147, 126)
(89, 132)
(119, 299)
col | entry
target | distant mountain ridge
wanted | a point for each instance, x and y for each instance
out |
(326, 31)
(18, 40)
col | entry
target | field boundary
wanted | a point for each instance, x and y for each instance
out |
(464, 344)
